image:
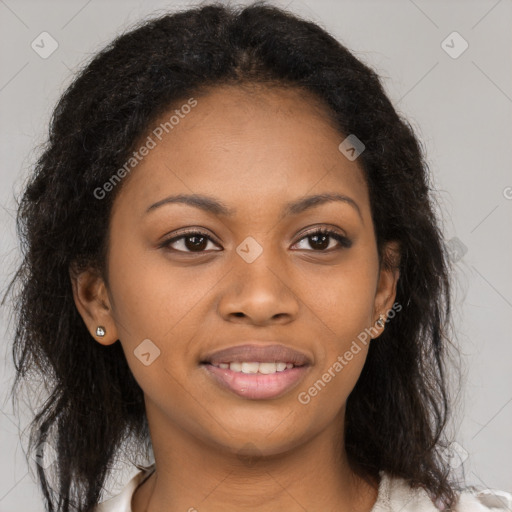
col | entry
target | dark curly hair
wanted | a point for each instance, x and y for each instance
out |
(397, 413)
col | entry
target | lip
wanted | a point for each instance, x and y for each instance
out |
(261, 353)
(256, 386)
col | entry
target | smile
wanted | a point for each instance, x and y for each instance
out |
(256, 381)
(263, 368)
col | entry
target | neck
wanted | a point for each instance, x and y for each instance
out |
(192, 475)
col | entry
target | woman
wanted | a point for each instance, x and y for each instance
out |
(231, 258)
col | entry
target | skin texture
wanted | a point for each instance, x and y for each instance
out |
(254, 151)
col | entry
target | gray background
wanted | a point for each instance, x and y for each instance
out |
(460, 108)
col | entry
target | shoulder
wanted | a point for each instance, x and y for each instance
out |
(122, 501)
(473, 500)
(396, 494)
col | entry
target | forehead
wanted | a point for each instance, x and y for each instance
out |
(255, 143)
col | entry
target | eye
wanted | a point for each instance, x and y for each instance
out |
(197, 241)
(319, 240)
(190, 241)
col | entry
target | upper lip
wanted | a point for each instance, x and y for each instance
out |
(257, 353)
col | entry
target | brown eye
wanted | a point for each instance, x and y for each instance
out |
(193, 241)
(320, 240)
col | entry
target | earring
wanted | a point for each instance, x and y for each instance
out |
(381, 320)
(100, 331)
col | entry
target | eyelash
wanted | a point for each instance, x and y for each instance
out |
(344, 242)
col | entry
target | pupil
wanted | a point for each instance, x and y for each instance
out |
(324, 243)
(199, 243)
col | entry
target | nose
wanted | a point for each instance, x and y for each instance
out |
(258, 293)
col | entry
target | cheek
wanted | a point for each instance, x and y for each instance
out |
(342, 304)
(156, 311)
(341, 298)
(150, 297)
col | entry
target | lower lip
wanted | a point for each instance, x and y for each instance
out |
(257, 386)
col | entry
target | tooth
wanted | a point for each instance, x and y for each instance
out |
(255, 367)
(267, 368)
(250, 367)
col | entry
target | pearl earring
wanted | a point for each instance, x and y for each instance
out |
(100, 331)
(381, 320)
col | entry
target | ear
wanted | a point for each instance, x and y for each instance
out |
(386, 286)
(93, 304)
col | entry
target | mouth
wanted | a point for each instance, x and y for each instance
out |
(257, 372)
(252, 367)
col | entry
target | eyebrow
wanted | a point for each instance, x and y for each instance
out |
(216, 207)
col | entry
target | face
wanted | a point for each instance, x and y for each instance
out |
(243, 266)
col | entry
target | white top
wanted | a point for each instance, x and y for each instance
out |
(394, 494)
